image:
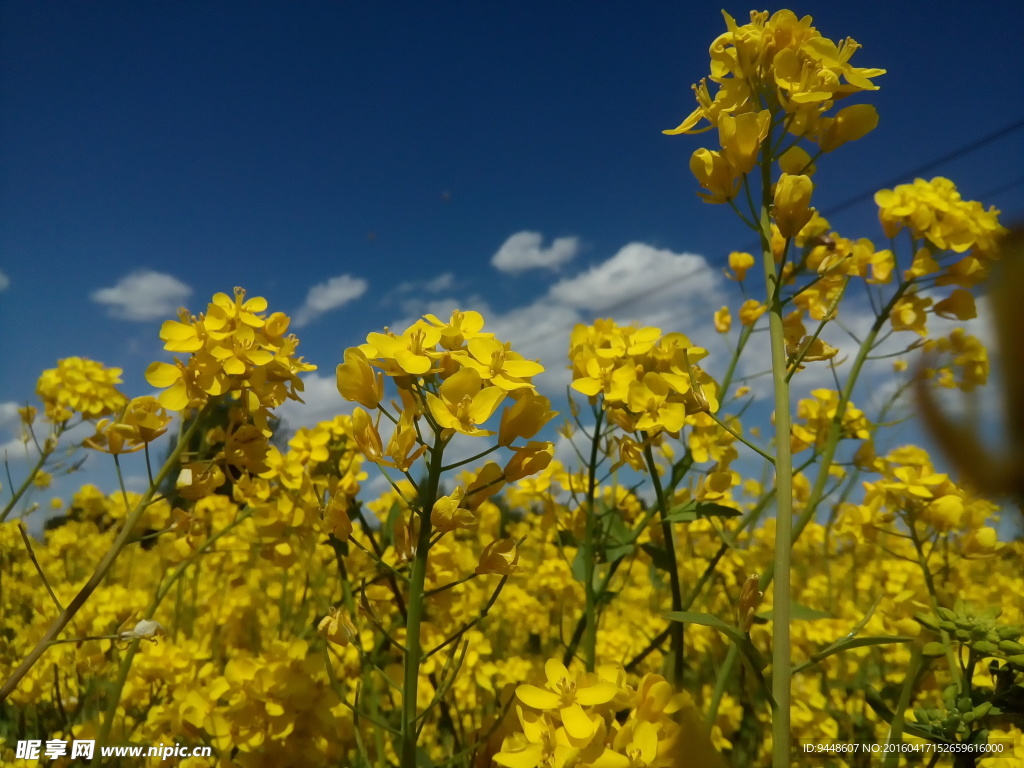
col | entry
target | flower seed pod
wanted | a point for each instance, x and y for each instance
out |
(986, 647)
(1009, 632)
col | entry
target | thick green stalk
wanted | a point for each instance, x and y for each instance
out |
(835, 430)
(101, 570)
(781, 665)
(827, 456)
(414, 615)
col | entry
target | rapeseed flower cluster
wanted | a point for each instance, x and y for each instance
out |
(81, 386)
(233, 349)
(777, 71)
(242, 667)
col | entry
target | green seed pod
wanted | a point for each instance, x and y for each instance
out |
(1009, 632)
(986, 646)
(990, 614)
(962, 635)
(945, 613)
(982, 709)
(933, 649)
(1011, 647)
(949, 626)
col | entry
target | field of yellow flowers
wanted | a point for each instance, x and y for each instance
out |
(645, 606)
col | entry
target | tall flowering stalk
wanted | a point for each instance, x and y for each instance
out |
(776, 76)
(778, 81)
(648, 386)
(451, 379)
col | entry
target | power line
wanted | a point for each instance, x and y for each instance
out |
(832, 210)
(915, 172)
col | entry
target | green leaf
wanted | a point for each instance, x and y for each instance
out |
(860, 642)
(579, 566)
(389, 524)
(692, 510)
(618, 531)
(617, 552)
(684, 513)
(679, 469)
(659, 557)
(849, 643)
(738, 636)
(710, 509)
(755, 661)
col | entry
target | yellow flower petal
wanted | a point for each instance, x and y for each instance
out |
(538, 698)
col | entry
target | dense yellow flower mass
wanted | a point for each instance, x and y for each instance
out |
(510, 609)
(82, 386)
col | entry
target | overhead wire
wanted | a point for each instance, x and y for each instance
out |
(831, 211)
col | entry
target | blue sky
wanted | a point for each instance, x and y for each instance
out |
(359, 163)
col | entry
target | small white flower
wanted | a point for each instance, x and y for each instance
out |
(147, 629)
(184, 478)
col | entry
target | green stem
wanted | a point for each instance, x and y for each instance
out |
(720, 682)
(892, 758)
(781, 665)
(589, 553)
(734, 360)
(417, 602)
(760, 452)
(929, 582)
(802, 353)
(678, 628)
(162, 592)
(102, 569)
(49, 446)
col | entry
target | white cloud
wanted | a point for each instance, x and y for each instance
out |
(641, 276)
(523, 251)
(540, 332)
(10, 428)
(640, 283)
(324, 297)
(5, 281)
(442, 282)
(322, 403)
(143, 295)
(9, 414)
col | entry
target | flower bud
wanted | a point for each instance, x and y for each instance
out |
(792, 203)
